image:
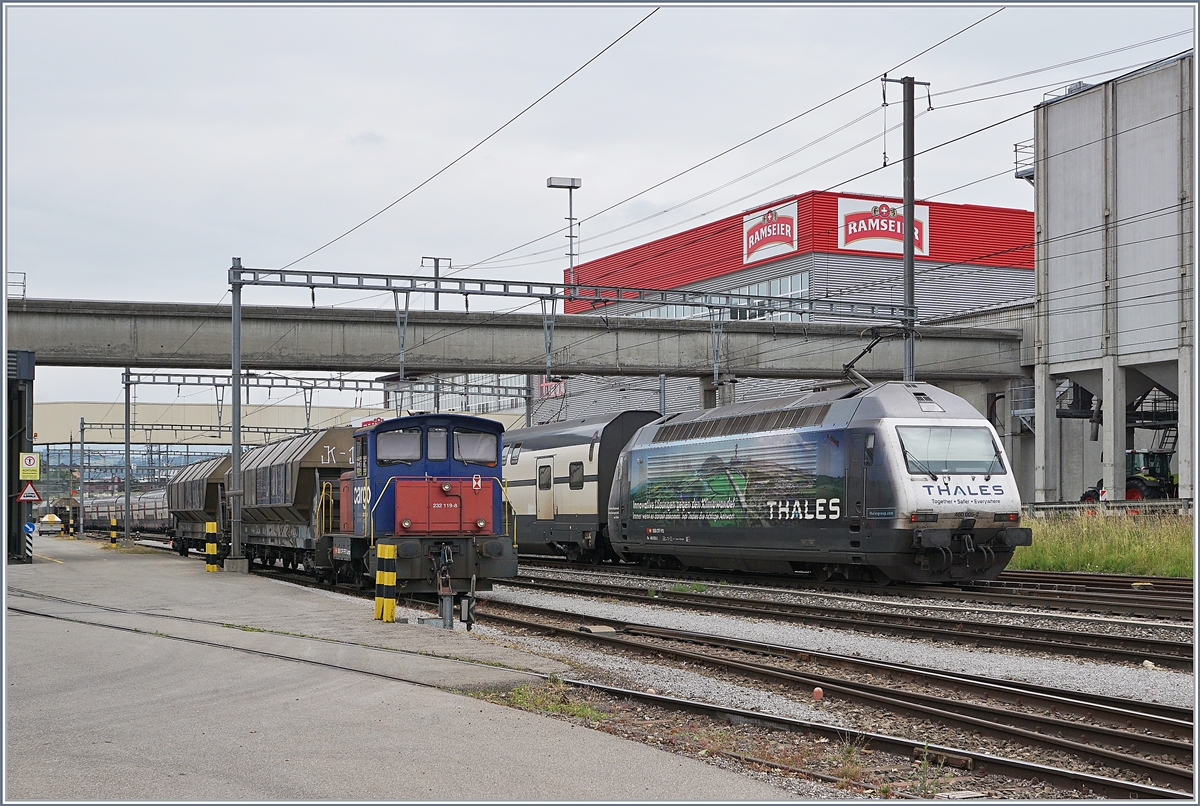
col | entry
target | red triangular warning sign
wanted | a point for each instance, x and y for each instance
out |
(29, 494)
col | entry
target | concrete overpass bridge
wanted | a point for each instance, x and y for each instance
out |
(185, 336)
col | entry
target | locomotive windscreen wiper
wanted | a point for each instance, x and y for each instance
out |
(987, 476)
(912, 460)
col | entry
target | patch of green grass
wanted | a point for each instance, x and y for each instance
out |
(1117, 544)
(551, 697)
(128, 549)
(691, 587)
(248, 628)
(849, 763)
(927, 779)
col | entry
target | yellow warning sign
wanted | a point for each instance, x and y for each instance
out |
(31, 466)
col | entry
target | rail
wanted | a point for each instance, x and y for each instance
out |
(1168, 506)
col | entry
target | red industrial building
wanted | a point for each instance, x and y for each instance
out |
(834, 245)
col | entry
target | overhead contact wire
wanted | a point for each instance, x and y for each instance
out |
(462, 156)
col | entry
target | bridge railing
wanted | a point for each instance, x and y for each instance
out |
(1167, 506)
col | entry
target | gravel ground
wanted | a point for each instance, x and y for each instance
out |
(1118, 680)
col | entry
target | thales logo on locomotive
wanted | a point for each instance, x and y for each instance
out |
(961, 490)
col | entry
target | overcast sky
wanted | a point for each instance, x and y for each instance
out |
(146, 146)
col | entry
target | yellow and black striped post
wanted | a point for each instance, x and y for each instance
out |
(385, 582)
(210, 558)
(112, 535)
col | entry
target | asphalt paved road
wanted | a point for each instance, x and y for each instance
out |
(97, 713)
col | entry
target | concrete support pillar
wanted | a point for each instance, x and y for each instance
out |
(708, 393)
(1186, 444)
(1113, 430)
(1045, 437)
(727, 393)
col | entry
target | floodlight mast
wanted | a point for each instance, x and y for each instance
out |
(570, 183)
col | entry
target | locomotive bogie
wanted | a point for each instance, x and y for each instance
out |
(468, 563)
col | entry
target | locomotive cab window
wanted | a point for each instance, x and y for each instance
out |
(949, 450)
(360, 457)
(575, 475)
(545, 477)
(475, 447)
(436, 450)
(402, 446)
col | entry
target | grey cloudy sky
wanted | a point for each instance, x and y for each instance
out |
(146, 145)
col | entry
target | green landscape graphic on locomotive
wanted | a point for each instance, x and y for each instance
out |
(766, 480)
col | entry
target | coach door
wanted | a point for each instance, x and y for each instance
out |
(545, 489)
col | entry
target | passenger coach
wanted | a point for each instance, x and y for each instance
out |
(559, 476)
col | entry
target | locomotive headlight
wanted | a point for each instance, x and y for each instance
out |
(406, 523)
(446, 487)
(923, 517)
(481, 523)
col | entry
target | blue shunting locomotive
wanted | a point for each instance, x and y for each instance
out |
(429, 485)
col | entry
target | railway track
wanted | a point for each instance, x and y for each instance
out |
(1102, 594)
(1173, 654)
(1169, 599)
(1115, 725)
(1128, 736)
(1097, 581)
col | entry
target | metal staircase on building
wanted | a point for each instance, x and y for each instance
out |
(1168, 438)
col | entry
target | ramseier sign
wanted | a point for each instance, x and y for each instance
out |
(769, 233)
(867, 225)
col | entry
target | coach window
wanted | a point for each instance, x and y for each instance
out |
(475, 447)
(576, 475)
(545, 477)
(436, 451)
(398, 447)
(504, 455)
(516, 453)
(592, 447)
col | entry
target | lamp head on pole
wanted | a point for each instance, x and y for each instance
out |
(570, 183)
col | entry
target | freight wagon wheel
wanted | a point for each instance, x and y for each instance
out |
(880, 577)
(822, 573)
